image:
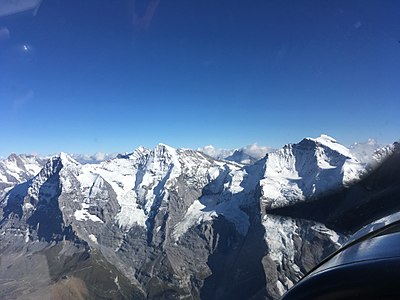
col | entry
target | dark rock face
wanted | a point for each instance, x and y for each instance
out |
(236, 263)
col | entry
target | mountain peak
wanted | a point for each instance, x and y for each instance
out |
(66, 159)
(331, 143)
(326, 138)
(162, 146)
(308, 169)
(12, 156)
(163, 150)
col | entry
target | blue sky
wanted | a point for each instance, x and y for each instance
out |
(81, 77)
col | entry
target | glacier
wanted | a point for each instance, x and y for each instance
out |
(170, 219)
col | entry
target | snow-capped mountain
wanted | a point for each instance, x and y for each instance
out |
(307, 170)
(177, 222)
(16, 169)
(382, 153)
(241, 157)
(364, 151)
(369, 199)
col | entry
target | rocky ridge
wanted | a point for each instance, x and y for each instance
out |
(172, 222)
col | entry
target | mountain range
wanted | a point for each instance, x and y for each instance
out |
(168, 223)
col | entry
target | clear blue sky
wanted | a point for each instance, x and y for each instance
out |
(81, 77)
